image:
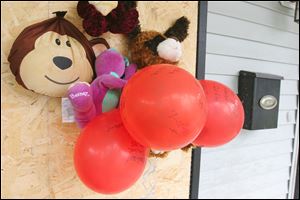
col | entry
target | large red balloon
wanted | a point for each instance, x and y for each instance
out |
(225, 115)
(163, 107)
(106, 158)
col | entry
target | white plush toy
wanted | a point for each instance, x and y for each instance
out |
(169, 49)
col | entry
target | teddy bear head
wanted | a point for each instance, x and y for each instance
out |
(110, 62)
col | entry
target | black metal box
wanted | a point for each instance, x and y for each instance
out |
(259, 94)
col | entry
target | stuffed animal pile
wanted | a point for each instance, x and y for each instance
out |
(54, 58)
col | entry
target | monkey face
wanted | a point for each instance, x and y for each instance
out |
(47, 57)
(54, 64)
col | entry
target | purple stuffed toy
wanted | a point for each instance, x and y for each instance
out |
(103, 94)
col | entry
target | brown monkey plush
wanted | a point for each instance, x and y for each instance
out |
(49, 56)
(151, 47)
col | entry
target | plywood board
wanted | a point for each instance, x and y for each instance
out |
(37, 148)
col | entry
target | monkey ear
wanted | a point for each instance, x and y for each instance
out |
(99, 45)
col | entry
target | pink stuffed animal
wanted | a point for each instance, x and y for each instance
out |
(103, 94)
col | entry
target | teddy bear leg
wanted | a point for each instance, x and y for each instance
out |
(83, 118)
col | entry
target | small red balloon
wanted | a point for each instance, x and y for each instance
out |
(225, 116)
(106, 158)
(163, 107)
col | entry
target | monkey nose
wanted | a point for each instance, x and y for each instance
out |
(62, 62)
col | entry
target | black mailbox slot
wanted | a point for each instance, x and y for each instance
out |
(259, 94)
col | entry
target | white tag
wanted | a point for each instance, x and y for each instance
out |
(67, 113)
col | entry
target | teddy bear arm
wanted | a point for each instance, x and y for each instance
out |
(112, 82)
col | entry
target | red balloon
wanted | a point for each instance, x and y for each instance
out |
(163, 107)
(225, 115)
(106, 158)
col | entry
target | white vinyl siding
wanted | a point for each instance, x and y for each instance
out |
(257, 36)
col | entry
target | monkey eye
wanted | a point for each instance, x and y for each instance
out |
(57, 41)
(68, 43)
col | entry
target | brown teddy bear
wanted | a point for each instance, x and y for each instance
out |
(151, 47)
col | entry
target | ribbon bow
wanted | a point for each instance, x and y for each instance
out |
(122, 19)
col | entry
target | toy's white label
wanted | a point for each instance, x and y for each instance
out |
(67, 111)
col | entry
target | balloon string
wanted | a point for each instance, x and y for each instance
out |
(166, 153)
(158, 155)
(187, 148)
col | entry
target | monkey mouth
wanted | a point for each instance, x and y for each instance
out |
(61, 83)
